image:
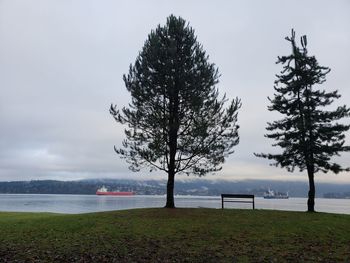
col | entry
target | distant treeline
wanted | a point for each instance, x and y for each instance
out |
(337, 195)
(47, 187)
(152, 187)
(83, 187)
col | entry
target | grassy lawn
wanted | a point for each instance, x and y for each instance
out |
(175, 235)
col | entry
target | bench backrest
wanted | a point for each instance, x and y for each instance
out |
(234, 198)
(237, 196)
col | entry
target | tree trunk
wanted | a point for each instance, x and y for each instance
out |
(171, 166)
(170, 191)
(311, 199)
(171, 174)
(173, 129)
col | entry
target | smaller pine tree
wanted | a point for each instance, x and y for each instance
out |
(309, 133)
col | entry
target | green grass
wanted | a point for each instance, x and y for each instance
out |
(175, 235)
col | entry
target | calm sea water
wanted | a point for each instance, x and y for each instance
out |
(74, 204)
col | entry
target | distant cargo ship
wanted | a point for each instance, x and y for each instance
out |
(270, 194)
(103, 191)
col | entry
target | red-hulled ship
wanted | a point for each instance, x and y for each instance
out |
(103, 191)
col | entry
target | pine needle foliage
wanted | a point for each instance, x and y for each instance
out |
(176, 121)
(309, 134)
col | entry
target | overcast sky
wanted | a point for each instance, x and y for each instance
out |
(62, 61)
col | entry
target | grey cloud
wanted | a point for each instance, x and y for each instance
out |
(61, 65)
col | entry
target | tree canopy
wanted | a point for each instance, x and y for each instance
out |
(176, 121)
(309, 134)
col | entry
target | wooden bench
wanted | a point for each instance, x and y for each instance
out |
(237, 198)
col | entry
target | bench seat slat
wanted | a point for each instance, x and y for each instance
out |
(238, 201)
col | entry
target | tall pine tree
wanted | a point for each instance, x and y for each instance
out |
(176, 121)
(309, 133)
